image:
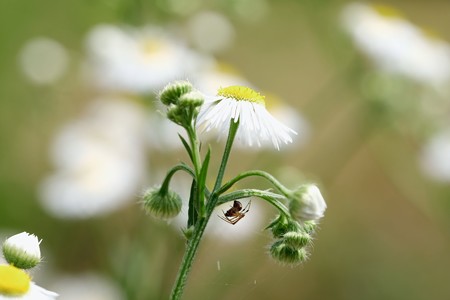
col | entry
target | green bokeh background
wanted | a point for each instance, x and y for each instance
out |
(386, 233)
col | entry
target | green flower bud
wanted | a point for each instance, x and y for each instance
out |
(306, 203)
(162, 204)
(281, 225)
(22, 250)
(309, 226)
(297, 240)
(173, 91)
(191, 99)
(175, 114)
(285, 254)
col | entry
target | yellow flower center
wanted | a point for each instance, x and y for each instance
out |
(241, 93)
(13, 281)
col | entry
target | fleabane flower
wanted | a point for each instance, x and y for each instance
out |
(22, 250)
(246, 106)
(307, 203)
(16, 284)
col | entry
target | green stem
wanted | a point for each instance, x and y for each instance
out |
(196, 160)
(171, 172)
(188, 258)
(265, 195)
(263, 174)
(200, 226)
(226, 153)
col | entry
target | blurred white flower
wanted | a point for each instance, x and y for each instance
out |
(217, 75)
(397, 45)
(291, 117)
(22, 250)
(100, 161)
(43, 60)
(86, 286)
(137, 59)
(162, 134)
(210, 31)
(250, 225)
(435, 156)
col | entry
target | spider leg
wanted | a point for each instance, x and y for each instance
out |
(247, 207)
(237, 219)
(225, 219)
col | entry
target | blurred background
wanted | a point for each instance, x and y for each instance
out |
(365, 85)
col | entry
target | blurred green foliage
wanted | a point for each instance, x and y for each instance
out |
(385, 234)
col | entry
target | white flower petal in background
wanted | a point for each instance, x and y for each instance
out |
(87, 286)
(218, 75)
(397, 45)
(100, 161)
(43, 60)
(250, 225)
(210, 31)
(162, 134)
(138, 59)
(435, 157)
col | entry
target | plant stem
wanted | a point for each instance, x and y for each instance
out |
(200, 226)
(263, 174)
(265, 195)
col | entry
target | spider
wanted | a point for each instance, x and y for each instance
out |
(236, 212)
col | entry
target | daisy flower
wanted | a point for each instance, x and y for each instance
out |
(239, 103)
(396, 45)
(16, 284)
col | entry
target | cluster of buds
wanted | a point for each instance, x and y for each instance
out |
(293, 234)
(22, 253)
(183, 102)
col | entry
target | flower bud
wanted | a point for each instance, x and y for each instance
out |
(306, 203)
(173, 91)
(309, 226)
(13, 281)
(281, 225)
(285, 254)
(297, 240)
(191, 99)
(162, 204)
(22, 250)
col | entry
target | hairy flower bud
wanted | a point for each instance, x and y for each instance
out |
(286, 254)
(162, 204)
(173, 91)
(306, 203)
(22, 250)
(191, 99)
(281, 225)
(297, 240)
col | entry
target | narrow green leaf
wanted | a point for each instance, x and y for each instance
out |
(186, 145)
(192, 210)
(204, 170)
